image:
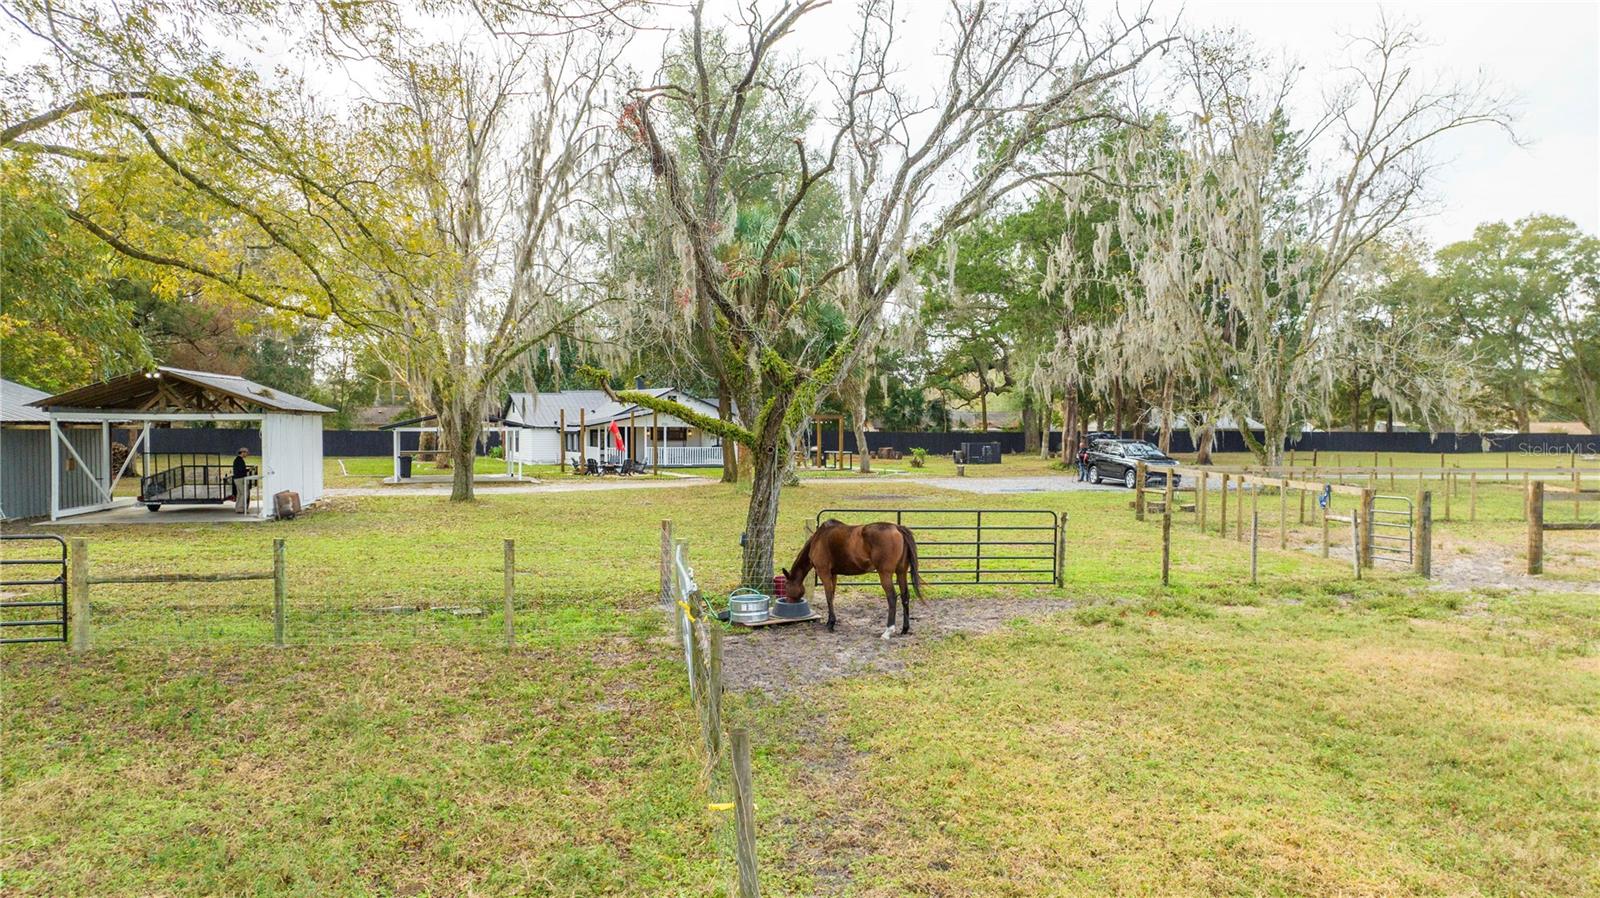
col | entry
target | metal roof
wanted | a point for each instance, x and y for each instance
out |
(15, 405)
(179, 389)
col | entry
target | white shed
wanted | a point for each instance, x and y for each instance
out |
(291, 430)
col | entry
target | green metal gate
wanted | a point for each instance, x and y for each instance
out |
(36, 623)
(975, 546)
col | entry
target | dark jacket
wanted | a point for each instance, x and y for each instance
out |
(240, 469)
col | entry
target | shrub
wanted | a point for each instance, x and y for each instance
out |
(919, 457)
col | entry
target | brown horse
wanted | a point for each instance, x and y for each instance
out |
(840, 549)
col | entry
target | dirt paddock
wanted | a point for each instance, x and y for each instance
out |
(784, 658)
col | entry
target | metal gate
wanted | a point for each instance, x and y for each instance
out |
(975, 546)
(31, 624)
(1391, 529)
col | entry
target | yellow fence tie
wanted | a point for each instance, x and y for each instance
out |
(686, 609)
(720, 806)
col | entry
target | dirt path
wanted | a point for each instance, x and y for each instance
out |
(778, 660)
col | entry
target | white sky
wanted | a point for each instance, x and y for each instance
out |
(1545, 54)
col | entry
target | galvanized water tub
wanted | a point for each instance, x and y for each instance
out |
(746, 606)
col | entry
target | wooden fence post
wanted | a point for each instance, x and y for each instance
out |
(511, 591)
(713, 692)
(1324, 533)
(1535, 515)
(1166, 542)
(1283, 515)
(1302, 506)
(1222, 511)
(1255, 543)
(280, 590)
(1367, 504)
(1138, 491)
(1202, 489)
(1424, 540)
(1355, 544)
(78, 594)
(744, 816)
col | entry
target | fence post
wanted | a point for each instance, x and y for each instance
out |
(280, 590)
(1368, 502)
(1424, 540)
(1324, 533)
(713, 693)
(78, 594)
(1535, 515)
(1202, 489)
(1255, 496)
(511, 590)
(1472, 498)
(744, 816)
(1446, 484)
(1061, 551)
(1138, 491)
(1238, 517)
(1222, 513)
(1283, 515)
(1166, 494)
(1166, 543)
(1355, 547)
(1255, 543)
(1302, 493)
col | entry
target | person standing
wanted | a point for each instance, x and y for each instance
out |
(241, 482)
(1083, 462)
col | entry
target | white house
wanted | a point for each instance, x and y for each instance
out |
(552, 428)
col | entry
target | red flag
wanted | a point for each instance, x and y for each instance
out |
(616, 436)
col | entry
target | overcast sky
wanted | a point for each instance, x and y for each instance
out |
(1545, 54)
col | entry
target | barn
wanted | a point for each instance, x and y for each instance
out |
(290, 436)
(25, 456)
(551, 428)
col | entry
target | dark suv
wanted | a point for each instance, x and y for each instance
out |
(1116, 460)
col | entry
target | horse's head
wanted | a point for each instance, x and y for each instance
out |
(794, 588)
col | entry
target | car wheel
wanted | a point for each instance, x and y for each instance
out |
(1096, 475)
(1127, 478)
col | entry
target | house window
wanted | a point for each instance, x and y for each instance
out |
(680, 434)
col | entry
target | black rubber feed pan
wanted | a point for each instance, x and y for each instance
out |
(791, 610)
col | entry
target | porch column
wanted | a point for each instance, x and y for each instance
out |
(583, 438)
(55, 469)
(655, 440)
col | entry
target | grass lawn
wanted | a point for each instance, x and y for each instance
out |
(1313, 735)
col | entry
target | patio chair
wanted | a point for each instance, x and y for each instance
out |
(592, 467)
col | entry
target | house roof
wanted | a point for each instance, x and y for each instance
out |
(179, 389)
(544, 409)
(14, 404)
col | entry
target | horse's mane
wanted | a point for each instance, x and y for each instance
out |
(802, 560)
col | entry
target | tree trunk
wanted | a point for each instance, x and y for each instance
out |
(1044, 428)
(1116, 400)
(1166, 416)
(761, 520)
(1355, 404)
(459, 437)
(983, 407)
(1030, 432)
(730, 449)
(1203, 443)
(1069, 426)
(858, 421)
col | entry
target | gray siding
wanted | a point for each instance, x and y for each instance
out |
(25, 470)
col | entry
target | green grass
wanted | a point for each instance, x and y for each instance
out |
(1314, 734)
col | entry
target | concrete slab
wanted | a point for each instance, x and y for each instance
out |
(169, 514)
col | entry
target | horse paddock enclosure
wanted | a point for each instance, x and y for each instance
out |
(1311, 733)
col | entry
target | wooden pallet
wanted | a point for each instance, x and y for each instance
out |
(773, 621)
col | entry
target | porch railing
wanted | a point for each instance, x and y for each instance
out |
(683, 456)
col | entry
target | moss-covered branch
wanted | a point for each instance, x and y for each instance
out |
(725, 429)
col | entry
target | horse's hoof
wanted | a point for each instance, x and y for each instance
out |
(887, 632)
(905, 631)
(830, 626)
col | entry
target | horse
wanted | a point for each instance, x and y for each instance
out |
(839, 549)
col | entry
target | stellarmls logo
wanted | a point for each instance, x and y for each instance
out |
(1587, 447)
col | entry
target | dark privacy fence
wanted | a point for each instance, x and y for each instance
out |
(1232, 441)
(351, 443)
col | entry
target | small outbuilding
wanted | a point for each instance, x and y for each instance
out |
(25, 456)
(290, 428)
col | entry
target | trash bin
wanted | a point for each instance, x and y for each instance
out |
(405, 467)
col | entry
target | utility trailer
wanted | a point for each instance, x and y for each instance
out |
(187, 478)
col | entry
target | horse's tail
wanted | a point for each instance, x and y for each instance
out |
(911, 559)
